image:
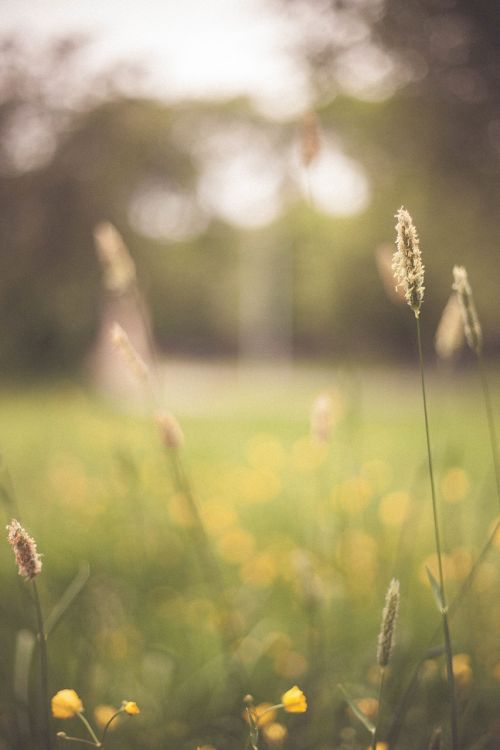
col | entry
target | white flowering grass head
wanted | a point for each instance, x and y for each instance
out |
(130, 357)
(388, 627)
(118, 266)
(407, 261)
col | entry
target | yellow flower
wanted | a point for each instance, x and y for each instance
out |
(103, 714)
(275, 733)
(294, 701)
(65, 704)
(131, 708)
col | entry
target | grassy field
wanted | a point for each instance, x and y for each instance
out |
(306, 537)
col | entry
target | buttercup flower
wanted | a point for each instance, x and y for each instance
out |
(294, 701)
(131, 708)
(65, 704)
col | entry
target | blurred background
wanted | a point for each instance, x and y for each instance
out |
(186, 126)
(251, 155)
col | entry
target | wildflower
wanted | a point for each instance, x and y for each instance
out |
(119, 268)
(407, 261)
(462, 670)
(472, 327)
(132, 359)
(368, 706)
(170, 430)
(389, 617)
(65, 704)
(131, 708)
(275, 733)
(450, 331)
(103, 713)
(294, 701)
(24, 547)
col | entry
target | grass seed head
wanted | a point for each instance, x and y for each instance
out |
(450, 331)
(118, 266)
(407, 261)
(472, 327)
(389, 617)
(24, 547)
(436, 741)
(170, 430)
(126, 350)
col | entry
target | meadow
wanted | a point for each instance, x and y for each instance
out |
(306, 534)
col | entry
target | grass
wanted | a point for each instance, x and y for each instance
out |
(92, 483)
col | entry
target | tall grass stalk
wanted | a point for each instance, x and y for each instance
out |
(437, 537)
(490, 418)
(379, 701)
(386, 644)
(44, 667)
(452, 608)
(474, 337)
(409, 274)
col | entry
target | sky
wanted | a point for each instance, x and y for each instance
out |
(209, 48)
(191, 48)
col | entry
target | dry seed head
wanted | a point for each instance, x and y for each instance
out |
(118, 266)
(436, 741)
(170, 430)
(322, 418)
(389, 617)
(383, 261)
(24, 547)
(450, 331)
(407, 261)
(472, 327)
(309, 138)
(131, 358)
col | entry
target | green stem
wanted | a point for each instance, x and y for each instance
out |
(89, 728)
(380, 689)
(444, 610)
(455, 603)
(83, 741)
(202, 545)
(228, 628)
(115, 715)
(491, 420)
(44, 667)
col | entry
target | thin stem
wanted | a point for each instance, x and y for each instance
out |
(491, 420)
(455, 603)
(88, 728)
(44, 667)
(380, 689)
(228, 627)
(444, 610)
(67, 738)
(115, 715)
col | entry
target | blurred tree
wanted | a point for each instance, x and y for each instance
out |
(86, 166)
(412, 91)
